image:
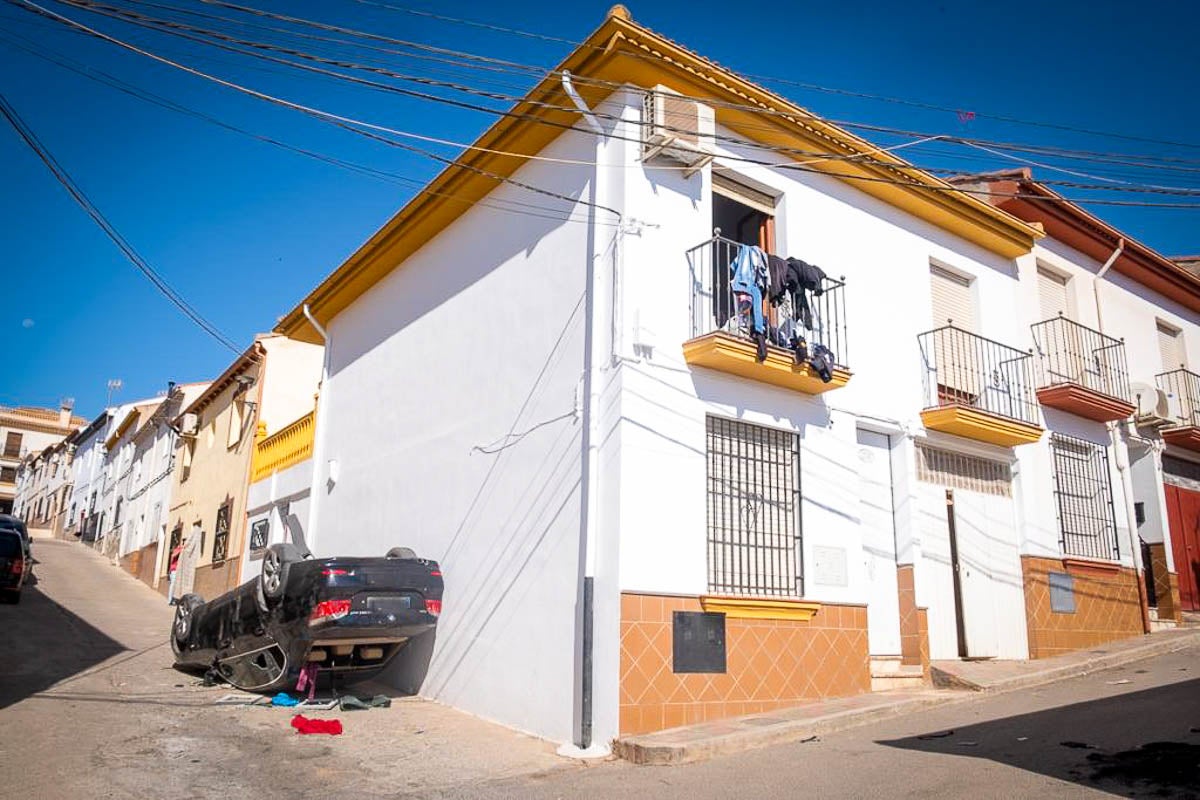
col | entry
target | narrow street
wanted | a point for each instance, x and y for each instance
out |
(90, 707)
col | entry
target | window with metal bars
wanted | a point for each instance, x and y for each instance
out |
(753, 510)
(1085, 505)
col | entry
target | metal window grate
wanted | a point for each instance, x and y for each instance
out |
(959, 471)
(221, 535)
(1084, 492)
(753, 509)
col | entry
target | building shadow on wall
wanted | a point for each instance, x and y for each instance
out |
(406, 673)
(1158, 731)
(44, 644)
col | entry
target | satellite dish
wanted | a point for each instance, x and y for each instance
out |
(1146, 397)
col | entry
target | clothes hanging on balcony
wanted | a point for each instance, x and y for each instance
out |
(751, 278)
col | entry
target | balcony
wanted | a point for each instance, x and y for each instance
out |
(978, 388)
(722, 339)
(1081, 371)
(284, 448)
(1184, 426)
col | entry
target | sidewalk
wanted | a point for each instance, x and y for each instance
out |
(1003, 676)
(722, 737)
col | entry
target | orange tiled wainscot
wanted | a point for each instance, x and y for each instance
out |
(914, 622)
(1106, 606)
(771, 663)
(1166, 584)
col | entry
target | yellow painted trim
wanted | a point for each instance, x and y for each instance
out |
(982, 426)
(624, 52)
(284, 448)
(761, 608)
(727, 353)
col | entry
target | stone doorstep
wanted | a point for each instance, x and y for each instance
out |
(736, 734)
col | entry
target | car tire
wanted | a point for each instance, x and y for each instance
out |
(181, 628)
(272, 579)
(402, 552)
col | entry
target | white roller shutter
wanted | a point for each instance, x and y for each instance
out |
(741, 193)
(1052, 294)
(1170, 346)
(951, 299)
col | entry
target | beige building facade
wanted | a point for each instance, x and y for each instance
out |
(26, 431)
(265, 388)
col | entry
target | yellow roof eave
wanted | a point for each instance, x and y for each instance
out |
(621, 51)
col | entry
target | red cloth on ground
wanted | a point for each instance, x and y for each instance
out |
(303, 724)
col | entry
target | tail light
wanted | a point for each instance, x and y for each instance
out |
(328, 611)
(433, 606)
(18, 566)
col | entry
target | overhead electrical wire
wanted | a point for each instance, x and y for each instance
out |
(357, 125)
(64, 178)
(99, 76)
(493, 63)
(791, 82)
(504, 64)
(170, 26)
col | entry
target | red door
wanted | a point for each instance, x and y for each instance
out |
(1183, 517)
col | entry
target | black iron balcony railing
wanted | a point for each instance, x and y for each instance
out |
(964, 369)
(1070, 353)
(821, 318)
(1185, 385)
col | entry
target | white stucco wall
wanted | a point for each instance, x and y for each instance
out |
(290, 379)
(283, 494)
(450, 420)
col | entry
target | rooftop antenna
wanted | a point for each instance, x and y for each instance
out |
(114, 385)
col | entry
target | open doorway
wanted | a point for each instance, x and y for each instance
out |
(740, 215)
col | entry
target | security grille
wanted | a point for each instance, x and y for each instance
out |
(753, 510)
(221, 534)
(958, 471)
(1085, 505)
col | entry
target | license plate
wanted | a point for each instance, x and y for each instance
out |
(389, 605)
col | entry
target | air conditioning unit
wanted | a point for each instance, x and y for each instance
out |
(189, 424)
(677, 128)
(1155, 407)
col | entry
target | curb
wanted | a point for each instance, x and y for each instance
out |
(645, 751)
(1177, 641)
(746, 733)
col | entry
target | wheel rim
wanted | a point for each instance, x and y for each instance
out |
(182, 614)
(271, 574)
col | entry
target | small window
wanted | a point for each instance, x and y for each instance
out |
(221, 534)
(1054, 295)
(189, 451)
(1170, 347)
(1083, 488)
(952, 298)
(8, 474)
(753, 509)
(236, 423)
(12, 445)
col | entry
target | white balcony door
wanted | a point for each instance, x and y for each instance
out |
(879, 543)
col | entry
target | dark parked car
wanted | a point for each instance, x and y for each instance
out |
(348, 616)
(14, 565)
(10, 523)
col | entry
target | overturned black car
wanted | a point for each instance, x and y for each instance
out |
(348, 616)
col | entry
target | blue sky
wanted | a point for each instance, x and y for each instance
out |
(243, 229)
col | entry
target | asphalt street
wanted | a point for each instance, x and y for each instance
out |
(91, 707)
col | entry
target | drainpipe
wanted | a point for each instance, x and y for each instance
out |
(314, 493)
(1120, 436)
(590, 477)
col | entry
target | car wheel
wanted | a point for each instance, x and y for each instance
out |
(402, 552)
(272, 580)
(181, 629)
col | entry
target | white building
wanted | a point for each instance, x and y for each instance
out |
(147, 490)
(641, 523)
